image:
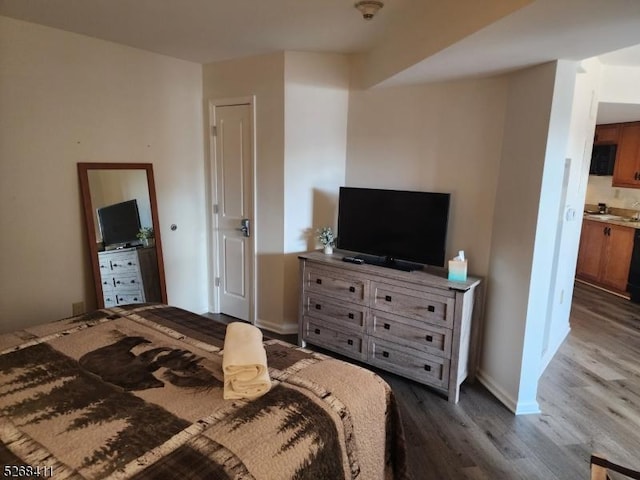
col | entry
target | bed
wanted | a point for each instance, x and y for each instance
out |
(136, 392)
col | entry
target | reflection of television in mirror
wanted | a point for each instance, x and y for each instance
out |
(396, 228)
(119, 223)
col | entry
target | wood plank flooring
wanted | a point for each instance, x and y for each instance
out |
(589, 396)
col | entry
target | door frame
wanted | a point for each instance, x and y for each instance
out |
(214, 247)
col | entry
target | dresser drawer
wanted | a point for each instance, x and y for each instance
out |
(347, 343)
(334, 284)
(127, 283)
(419, 305)
(110, 300)
(127, 298)
(349, 315)
(105, 265)
(410, 363)
(126, 262)
(112, 262)
(108, 284)
(412, 333)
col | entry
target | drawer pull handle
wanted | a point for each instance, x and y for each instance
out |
(429, 338)
(319, 281)
(129, 263)
(133, 281)
(318, 306)
(351, 316)
(352, 289)
(387, 326)
(431, 308)
(385, 354)
(427, 368)
(350, 342)
(317, 331)
(387, 298)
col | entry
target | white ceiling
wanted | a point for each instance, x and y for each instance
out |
(205, 31)
(626, 56)
(620, 112)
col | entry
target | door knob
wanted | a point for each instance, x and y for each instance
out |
(244, 227)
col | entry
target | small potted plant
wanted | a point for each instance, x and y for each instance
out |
(327, 239)
(146, 236)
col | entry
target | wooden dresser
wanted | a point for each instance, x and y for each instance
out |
(415, 324)
(129, 275)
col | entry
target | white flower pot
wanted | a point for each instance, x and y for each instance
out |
(328, 249)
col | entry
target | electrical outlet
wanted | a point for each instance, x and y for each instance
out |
(78, 308)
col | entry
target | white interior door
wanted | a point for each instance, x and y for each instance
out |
(234, 223)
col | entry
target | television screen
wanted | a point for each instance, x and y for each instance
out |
(396, 224)
(119, 223)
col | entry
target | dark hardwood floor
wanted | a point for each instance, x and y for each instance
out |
(589, 396)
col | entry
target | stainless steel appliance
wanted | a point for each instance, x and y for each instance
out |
(633, 287)
(603, 159)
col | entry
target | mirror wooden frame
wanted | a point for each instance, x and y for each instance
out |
(83, 174)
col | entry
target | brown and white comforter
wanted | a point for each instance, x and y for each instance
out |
(137, 393)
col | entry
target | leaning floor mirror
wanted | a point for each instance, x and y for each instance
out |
(121, 216)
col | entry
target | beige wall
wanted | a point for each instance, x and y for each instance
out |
(316, 110)
(301, 115)
(262, 76)
(497, 145)
(525, 231)
(578, 158)
(442, 137)
(66, 98)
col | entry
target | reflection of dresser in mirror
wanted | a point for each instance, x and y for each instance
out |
(129, 275)
(119, 199)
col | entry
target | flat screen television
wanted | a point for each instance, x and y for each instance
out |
(119, 223)
(395, 228)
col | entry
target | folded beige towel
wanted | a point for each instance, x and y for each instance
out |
(244, 362)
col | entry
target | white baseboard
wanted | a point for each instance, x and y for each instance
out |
(504, 398)
(279, 328)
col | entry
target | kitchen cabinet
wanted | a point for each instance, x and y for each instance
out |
(607, 134)
(605, 252)
(626, 172)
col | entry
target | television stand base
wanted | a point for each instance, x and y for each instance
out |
(390, 262)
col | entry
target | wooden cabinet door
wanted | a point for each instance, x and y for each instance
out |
(592, 241)
(617, 257)
(606, 134)
(626, 172)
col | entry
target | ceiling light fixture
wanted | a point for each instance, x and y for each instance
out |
(368, 8)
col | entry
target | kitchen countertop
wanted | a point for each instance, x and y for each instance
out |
(614, 219)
